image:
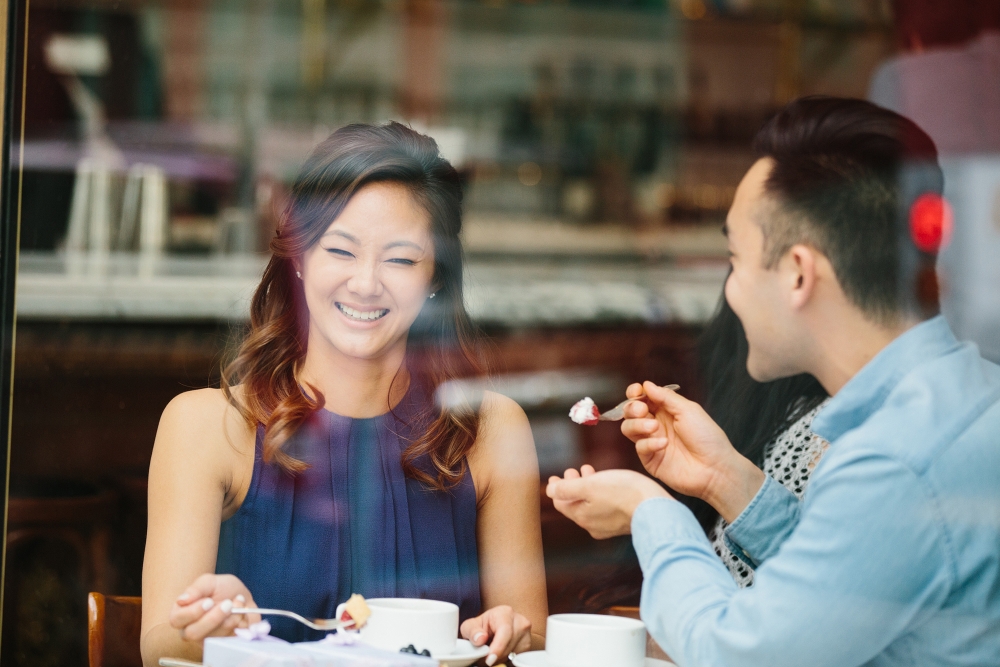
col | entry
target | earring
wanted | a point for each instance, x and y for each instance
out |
(298, 274)
(433, 294)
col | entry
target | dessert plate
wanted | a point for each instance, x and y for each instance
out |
(464, 654)
(539, 659)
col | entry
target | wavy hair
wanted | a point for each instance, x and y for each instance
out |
(442, 344)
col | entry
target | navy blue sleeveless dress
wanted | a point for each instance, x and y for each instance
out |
(351, 523)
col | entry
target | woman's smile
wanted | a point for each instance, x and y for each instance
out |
(361, 314)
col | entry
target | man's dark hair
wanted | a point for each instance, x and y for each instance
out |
(844, 175)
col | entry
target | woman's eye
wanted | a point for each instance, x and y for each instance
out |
(403, 261)
(339, 252)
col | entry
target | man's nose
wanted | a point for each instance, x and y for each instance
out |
(365, 282)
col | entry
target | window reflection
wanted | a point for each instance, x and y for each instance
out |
(600, 144)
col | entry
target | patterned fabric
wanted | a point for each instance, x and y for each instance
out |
(790, 459)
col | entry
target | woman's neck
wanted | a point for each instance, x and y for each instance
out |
(354, 387)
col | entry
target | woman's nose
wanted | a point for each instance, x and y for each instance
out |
(365, 281)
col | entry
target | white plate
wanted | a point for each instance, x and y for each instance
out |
(464, 654)
(538, 659)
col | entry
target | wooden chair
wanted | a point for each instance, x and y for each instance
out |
(653, 649)
(113, 630)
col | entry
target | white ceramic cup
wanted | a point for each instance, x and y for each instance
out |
(398, 622)
(591, 640)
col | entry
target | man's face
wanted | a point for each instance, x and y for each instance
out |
(759, 296)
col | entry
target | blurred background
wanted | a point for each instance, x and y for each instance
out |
(600, 143)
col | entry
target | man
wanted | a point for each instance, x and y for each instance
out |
(893, 555)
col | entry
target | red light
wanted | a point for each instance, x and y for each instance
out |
(931, 222)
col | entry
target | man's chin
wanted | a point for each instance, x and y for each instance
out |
(762, 372)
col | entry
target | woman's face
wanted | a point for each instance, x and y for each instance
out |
(369, 275)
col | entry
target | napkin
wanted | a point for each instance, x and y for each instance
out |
(362, 655)
(259, 652)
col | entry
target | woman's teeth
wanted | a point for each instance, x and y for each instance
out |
(364, 316)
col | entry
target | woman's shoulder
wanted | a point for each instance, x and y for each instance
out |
(504, 445)
(196, 408)
(203, 416)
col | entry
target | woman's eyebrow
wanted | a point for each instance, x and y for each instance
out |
(403, 244)
(337, 232)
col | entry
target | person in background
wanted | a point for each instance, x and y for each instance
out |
(892, 556)
(767, 422)
(324, 466)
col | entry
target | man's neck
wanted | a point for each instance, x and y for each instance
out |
(845, 342)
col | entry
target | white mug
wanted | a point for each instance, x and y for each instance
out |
(396, 623)
(591, 640)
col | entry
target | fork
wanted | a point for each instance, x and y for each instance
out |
(616, 413)
(323, 624)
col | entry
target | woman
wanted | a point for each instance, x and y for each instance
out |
(322, 467)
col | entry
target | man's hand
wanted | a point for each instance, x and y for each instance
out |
(603, 502)
(679, 444)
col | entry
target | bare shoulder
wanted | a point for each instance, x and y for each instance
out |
(201, 420)
(505, 447)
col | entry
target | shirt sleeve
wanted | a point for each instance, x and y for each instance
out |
(863, 565)
(760, 529)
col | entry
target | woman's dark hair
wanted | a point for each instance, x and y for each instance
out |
(751, 413)
(443, 344)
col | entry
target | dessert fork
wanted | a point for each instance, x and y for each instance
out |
(322, 624)
(616, 413)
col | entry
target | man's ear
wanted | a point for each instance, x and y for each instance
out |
(801, 266)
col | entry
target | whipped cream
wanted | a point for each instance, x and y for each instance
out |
(585, 412)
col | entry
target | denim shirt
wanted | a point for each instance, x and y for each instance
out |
(891, 558)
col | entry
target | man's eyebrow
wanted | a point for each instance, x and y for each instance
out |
(403, 244)
(337, 232)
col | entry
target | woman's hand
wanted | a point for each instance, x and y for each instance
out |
(204, 608)
(679, 444)
(505, 630)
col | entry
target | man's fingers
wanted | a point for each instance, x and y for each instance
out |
(567, 489)
(587, 470)
(571, 473)
(649, 446)
(634, 390)
(668, 398)
(637, 429)
(636, 410)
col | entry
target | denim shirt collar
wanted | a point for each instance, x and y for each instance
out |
(867, 390)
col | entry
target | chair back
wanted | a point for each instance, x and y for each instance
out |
(113, 630)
